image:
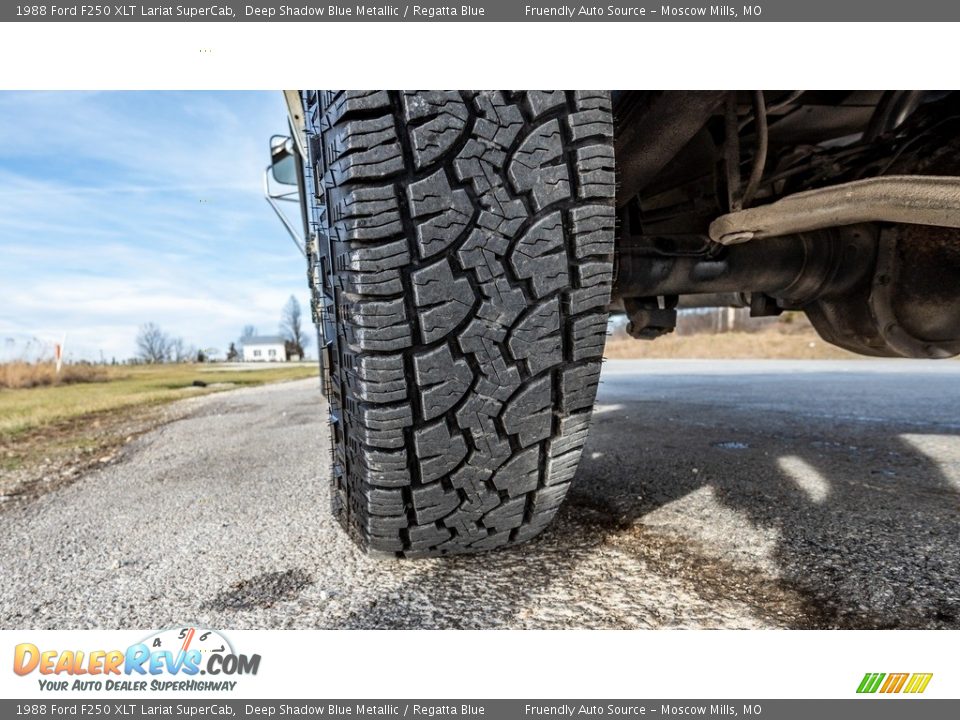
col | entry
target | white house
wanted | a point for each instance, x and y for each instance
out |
(264, 349)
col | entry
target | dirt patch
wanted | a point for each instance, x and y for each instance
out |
(262, 591)
(43, 459)
(710, 577)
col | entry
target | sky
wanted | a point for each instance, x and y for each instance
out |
(122, 208)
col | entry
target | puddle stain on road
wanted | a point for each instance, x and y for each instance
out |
(261, 591)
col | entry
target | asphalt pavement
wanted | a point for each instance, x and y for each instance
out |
(712, 494)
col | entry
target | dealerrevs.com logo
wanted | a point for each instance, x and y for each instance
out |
(168, 660)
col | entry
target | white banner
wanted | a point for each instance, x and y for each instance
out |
(480, 664)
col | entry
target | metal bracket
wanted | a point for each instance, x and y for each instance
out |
(762, 305)
(648, 320)
(913, 199)
(298, 120)
(272, 199)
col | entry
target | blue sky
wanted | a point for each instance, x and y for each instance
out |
(121, 208)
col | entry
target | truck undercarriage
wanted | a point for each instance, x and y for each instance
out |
(841, 204)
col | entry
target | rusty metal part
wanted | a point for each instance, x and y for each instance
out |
(893, 109)
(652, 128)
(887, 307)
(651, 318)
(918, 200)
(730, 159)
(760, 152)
(297, 118)
(907, 305)
(796, 268)
(713, 300)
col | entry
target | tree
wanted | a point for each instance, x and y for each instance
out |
(291, 327)
(178, 351)
(291, 351)
(153, 344)
(232, 354)
(248, 332)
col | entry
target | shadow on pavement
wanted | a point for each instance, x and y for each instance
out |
(865, 522)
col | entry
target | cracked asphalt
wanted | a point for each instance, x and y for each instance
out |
(712, 494)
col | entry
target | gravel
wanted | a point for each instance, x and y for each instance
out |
(716, 494)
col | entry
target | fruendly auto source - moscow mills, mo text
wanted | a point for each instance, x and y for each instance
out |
(576, 12)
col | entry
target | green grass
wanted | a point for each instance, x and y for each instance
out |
(25, 409)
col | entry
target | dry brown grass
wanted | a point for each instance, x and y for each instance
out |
(777, 342)
(127, 386)
(19, 374)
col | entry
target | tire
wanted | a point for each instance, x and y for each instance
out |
(462, 266)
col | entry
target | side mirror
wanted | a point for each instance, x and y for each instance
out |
(283, 160)
(283, 169)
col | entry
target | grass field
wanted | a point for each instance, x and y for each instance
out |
(117, 388)
(19, 374)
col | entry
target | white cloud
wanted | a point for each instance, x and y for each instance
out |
(122, 208)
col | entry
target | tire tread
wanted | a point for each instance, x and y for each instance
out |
(466, 247)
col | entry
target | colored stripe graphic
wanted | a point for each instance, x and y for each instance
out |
(894, 683)
(918, 682)
(870, 682)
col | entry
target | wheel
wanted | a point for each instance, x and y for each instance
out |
(462, 266)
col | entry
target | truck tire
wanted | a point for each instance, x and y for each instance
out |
(462, 264)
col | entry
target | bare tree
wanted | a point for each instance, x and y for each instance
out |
(153, 344)
(248, 332)
(291, 327)
(179, 351)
